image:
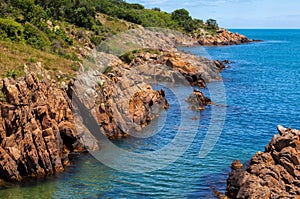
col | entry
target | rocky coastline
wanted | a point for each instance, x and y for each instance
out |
(38, 117)
(274, 173)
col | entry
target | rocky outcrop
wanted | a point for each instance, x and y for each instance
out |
(198, 100)
(37, 132)
(41, 124)
(119, 100)
(38, 129)
(274, 173)
(175, 67)
(223, 37)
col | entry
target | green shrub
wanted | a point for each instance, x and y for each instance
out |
(31, 60)
(107, 70)
(35, 37)
(74, 67)
(11, 30)
(63, 36)
(127, 57)
(12, 73)
(2, 96)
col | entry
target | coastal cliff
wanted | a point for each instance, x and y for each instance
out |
(274, 173)
(37, 131)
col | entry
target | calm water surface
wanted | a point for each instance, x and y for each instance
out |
(263, 90)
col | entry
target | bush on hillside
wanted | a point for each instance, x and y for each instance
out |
(35, 37)
(11, 30)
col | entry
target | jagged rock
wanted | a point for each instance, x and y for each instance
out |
(221, 65)
(38, 129)
(271, 174)
(119, 102)
(36, 132)
(176, 67)
(198, 100)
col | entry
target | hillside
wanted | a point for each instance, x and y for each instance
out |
(53, 38)
(65, 31)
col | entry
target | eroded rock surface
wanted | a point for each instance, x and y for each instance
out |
(119, 100)
(37, 132)
(175, 67)
(274, 173)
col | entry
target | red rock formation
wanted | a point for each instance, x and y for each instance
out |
(120, 100)
(274, 173)
(37, 125)
(172, 66)
(36, 129)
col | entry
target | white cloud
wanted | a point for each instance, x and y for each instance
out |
(152, 2)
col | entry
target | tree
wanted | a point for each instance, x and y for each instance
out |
(212, 23)
(156, 9)
(183, 18)
(181, 15)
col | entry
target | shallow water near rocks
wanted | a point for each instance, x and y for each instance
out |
(262, 88)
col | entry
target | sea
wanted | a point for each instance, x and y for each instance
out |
(260, 89)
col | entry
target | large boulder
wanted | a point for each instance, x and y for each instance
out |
(274, 173)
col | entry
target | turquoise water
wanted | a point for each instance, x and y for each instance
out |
(262, 90)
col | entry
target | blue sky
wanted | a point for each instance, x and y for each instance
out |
(236, 13)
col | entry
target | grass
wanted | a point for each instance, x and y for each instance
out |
(13, 56)
(113, 24)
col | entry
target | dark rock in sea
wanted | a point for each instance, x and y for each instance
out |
(274, 173)
(198, 100)
(221, 65)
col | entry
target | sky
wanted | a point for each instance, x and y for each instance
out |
(236, 13)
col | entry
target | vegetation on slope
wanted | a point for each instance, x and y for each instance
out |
(62, 28)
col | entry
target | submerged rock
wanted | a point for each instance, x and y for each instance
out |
(274, 173)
